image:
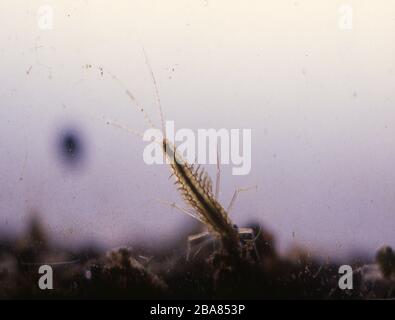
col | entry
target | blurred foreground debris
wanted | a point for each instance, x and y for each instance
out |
(142, 273)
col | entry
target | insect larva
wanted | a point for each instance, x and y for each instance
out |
(195, 187)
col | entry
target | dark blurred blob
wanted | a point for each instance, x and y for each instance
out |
(71, 147)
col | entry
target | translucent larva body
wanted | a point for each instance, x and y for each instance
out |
(195, 187)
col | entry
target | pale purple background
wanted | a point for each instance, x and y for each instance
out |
(319, 101)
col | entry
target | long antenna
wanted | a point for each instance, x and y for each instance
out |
(133, 99)
(156, 91)
(122, 126)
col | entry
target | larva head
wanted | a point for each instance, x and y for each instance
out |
(168, 149)
(171, 153)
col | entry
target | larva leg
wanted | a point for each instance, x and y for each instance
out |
(193, 239)
(201, 246)
(248, 238)
(235, 194)
(183, 210)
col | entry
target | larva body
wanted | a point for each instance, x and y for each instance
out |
(195, 186)
(196, 189)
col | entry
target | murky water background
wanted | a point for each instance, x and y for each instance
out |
(319, 101)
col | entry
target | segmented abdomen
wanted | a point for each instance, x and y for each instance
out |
(195, 187)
